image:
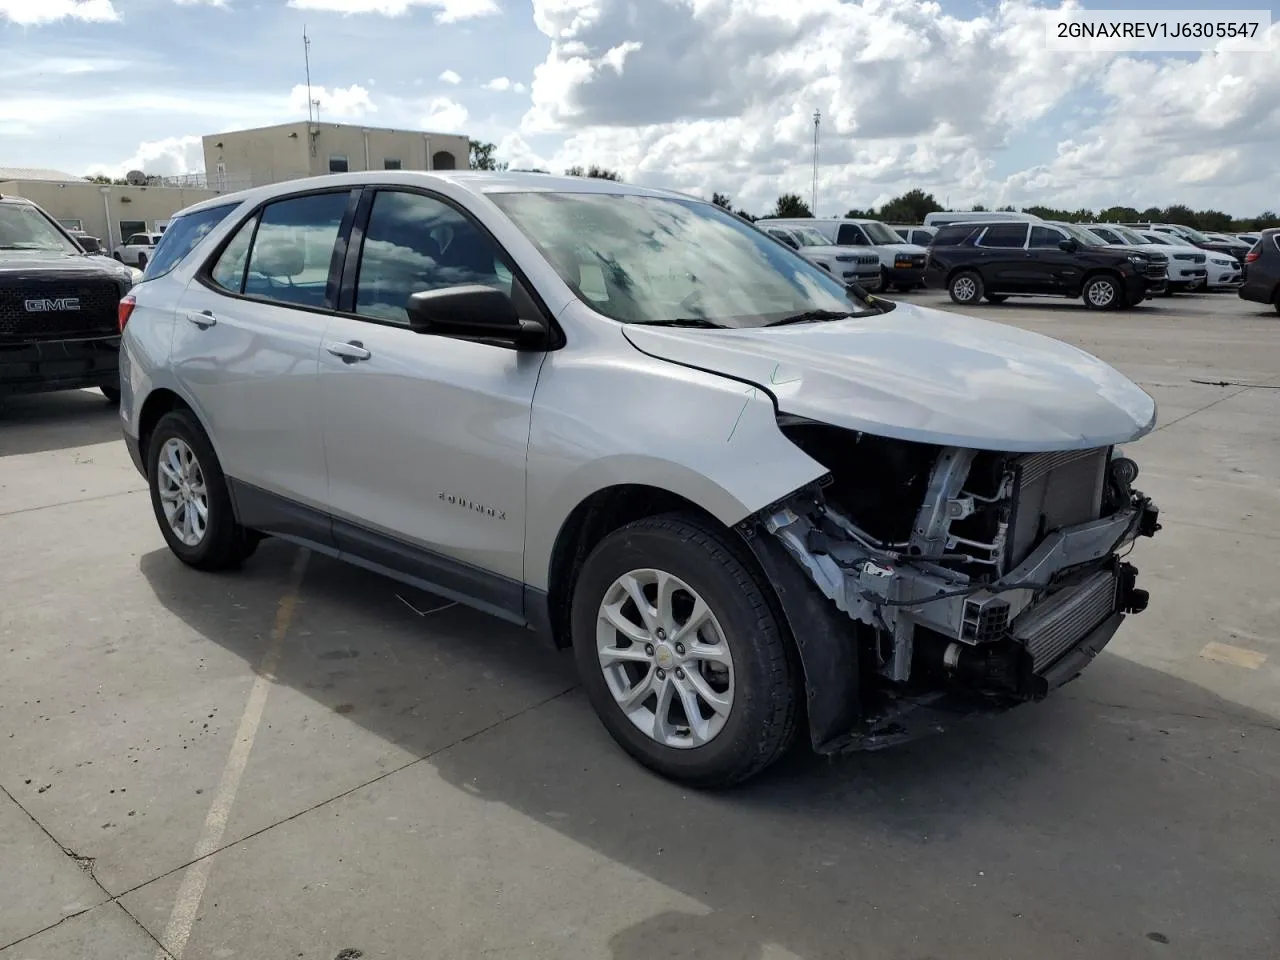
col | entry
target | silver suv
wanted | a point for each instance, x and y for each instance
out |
(753, 503)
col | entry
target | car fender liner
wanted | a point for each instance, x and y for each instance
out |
(827, 642)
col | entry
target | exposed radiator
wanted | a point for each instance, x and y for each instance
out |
(1054, 490)
(1054, 625)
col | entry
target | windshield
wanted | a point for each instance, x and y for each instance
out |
(26, 228)
(1195, 236)
(810, 237)
(1082, 235)
(665, 261)
(1129, 236)
(877, 232)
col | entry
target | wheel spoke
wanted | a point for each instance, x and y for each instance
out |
(169, 473)
(612, 655)
(688, 631)
(719, 702)
(665, 608)
(636, 592)
(698, 726)
(612, 613)
(637, 695)
(661, 725)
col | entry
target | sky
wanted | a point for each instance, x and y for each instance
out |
(961, 98)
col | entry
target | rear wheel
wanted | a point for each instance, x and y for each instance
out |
(1102, 292)
(966, 287)
(681, 654)
(190, 498)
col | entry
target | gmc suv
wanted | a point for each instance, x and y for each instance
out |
(1000, 259)
(58, 307)
(751, 501)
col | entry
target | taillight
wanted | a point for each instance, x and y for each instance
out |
(1251, 256)
(127, 303)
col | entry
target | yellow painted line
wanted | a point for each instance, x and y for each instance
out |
(187, 903)
(1237, 656)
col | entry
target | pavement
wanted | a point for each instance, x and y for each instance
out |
(303, 760)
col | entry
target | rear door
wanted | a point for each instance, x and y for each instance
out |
(246, 347)
(426, 435)
(1003, 259)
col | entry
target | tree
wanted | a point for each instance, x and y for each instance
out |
(594, 172)
(720, 200)
(1262, 221)
(790, 205)
(1119, 215)
(911, 207)
(482, 157)
(856, 214)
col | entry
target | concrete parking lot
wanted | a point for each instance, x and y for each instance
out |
(302, 760)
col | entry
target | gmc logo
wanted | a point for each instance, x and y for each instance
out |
(52, 304)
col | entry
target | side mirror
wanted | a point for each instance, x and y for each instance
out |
(472, 312)
(1071, 244)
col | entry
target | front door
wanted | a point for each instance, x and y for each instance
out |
(426, 435)
(247, 340)
(1049, 267)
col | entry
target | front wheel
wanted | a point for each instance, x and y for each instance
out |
(681, 653)
(1101, 293)
(190, 498)
(966, 287)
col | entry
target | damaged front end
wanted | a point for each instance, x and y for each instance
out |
(922, 582)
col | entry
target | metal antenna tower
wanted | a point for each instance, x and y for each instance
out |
(817, 120)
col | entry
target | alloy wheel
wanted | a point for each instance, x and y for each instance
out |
(184, 495)
(1101, 293)
(665, 658)
(964, 289)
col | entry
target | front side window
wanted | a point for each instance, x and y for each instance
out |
(182, 236)
(415, 243)
(1046, 237)
(850, 235)
(660, 260)
(23, 227)
(1005, 235)
(287, 257)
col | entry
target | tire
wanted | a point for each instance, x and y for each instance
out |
(224, 544)
(966, 287)
(886, 285)
(116, 256)
(1102, 292)
(996, 297)
(142, 261)
(760, 721)
(112, 394)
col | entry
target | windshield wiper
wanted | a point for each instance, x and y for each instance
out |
(682, 322)
(812, 316)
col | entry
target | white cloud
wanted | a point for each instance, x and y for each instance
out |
(505, 83)
(337, 103)
(35, 12)
(169, 157)
(910, 96)
(443, 115)
(447, 11)
(450, 76)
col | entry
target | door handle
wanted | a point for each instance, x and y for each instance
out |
(350, 351)
(204, 319)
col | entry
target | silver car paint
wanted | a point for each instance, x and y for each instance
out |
(603, 411)
(928, 376)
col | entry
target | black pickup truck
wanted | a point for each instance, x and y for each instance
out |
(59, 307)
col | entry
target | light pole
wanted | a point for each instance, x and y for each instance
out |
(817, 120)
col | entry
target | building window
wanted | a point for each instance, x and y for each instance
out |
(129, 227)
(443, 160)
(390, 163)
(337, 163)
(72, 225)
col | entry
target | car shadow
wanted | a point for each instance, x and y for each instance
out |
(1128, 810)
(56, 421)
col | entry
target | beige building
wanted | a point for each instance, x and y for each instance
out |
(110, 212)
(250, 158)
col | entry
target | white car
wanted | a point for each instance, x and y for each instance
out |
(1186, 263)
(137, 250)
(842, 263)
(1224, 271)
(901, 264)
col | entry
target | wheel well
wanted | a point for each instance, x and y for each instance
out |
(590, 522)
(1114, 275)
(156, 406)
(956, 271)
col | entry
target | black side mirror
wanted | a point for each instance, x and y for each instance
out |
(472, 312)
(1071, 244)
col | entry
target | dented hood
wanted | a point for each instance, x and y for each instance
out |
(924, 375)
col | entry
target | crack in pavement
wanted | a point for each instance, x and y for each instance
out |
(67, 503)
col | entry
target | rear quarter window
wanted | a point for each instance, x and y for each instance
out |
(182, 236)
(951, 236)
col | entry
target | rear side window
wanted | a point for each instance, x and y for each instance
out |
(953, 235)
(182, 236)
(1004, 235)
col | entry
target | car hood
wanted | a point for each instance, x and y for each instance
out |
(923, 375)
(911, 248)
(21, 264)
